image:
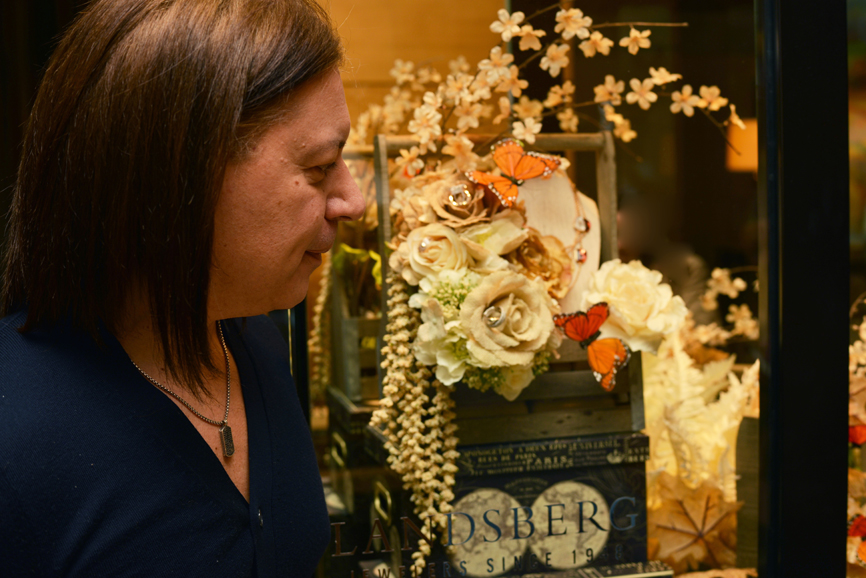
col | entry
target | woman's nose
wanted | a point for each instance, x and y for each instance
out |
(347, 202)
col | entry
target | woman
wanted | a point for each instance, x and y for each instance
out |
(181, 176)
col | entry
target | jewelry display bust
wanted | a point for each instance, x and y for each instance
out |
(555, 207)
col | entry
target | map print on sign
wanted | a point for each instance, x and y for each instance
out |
(476, 551)
(569, 549)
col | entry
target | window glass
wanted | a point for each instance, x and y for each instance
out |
(559, 259)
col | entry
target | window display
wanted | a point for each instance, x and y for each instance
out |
(591, 321)
(539, 405)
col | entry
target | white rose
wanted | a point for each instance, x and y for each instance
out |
(436, 342)
(516, 380)
(526, 312)
(487, 241)
(642, 309)
(428, 251)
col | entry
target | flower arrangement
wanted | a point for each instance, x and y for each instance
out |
(473, 290)
(695, 399)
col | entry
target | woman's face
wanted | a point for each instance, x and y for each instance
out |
(280, 204)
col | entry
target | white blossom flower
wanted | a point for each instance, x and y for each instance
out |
(744, 323)
(641, 93)
(559, 94)
(460, 147)
(572, 23)
(425, 126)
(526, 130)
(720, 282)
(661, 75)
(402, 71)
(735, 119)
(529, 37)
(567, 120)
(636, 40)
(528, 108)
(610, 91)
(428, 75)
(496, 67)
(480, 88)
(611, 115)
(624, 131)
(507, 25)
(459, 65)
(596, 43)
(504, 110)
(711, 98)
(408, 163)
(457, 88)
(432, 100)
(685, 101)
(512, 83)
(467, 114)
(555, 59)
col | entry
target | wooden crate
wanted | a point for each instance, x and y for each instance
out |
(354, 365)
(566, 401)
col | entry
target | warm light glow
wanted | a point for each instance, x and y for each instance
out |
(745, 141)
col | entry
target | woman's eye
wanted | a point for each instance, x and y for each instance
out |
(325, 169)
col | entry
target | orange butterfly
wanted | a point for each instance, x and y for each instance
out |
(606, 356)
(516, 166)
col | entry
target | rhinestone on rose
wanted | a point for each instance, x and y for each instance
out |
(580, 255)
(460, 195)
(424, 244)
(581, 224)
(493, 316)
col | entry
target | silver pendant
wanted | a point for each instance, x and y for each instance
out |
(226, 439)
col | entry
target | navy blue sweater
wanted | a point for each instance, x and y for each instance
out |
(102, 475)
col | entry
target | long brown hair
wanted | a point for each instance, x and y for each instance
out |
(143, 104)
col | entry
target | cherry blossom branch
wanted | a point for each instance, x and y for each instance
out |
(616, 141)
(538, 54)
(721, 128)
(543, 10)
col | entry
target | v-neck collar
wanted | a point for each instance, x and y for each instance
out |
(168, 422)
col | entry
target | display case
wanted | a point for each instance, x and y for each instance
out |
(688, 191)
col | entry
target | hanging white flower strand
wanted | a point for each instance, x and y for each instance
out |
(420, 432)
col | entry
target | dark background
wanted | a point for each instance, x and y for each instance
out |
(676, 162)
(28, 33)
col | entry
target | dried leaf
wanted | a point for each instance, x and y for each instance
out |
(694, 527)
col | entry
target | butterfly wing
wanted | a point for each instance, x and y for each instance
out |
(606, 357)
(504, 189)
(507, 154)
(582, 326)
(534, 164)
(515, 162)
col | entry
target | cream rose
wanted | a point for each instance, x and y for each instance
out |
(517, 324)
(642, 308)
(428, 251)
(487, 241)
(457, 204)
(516, 380)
